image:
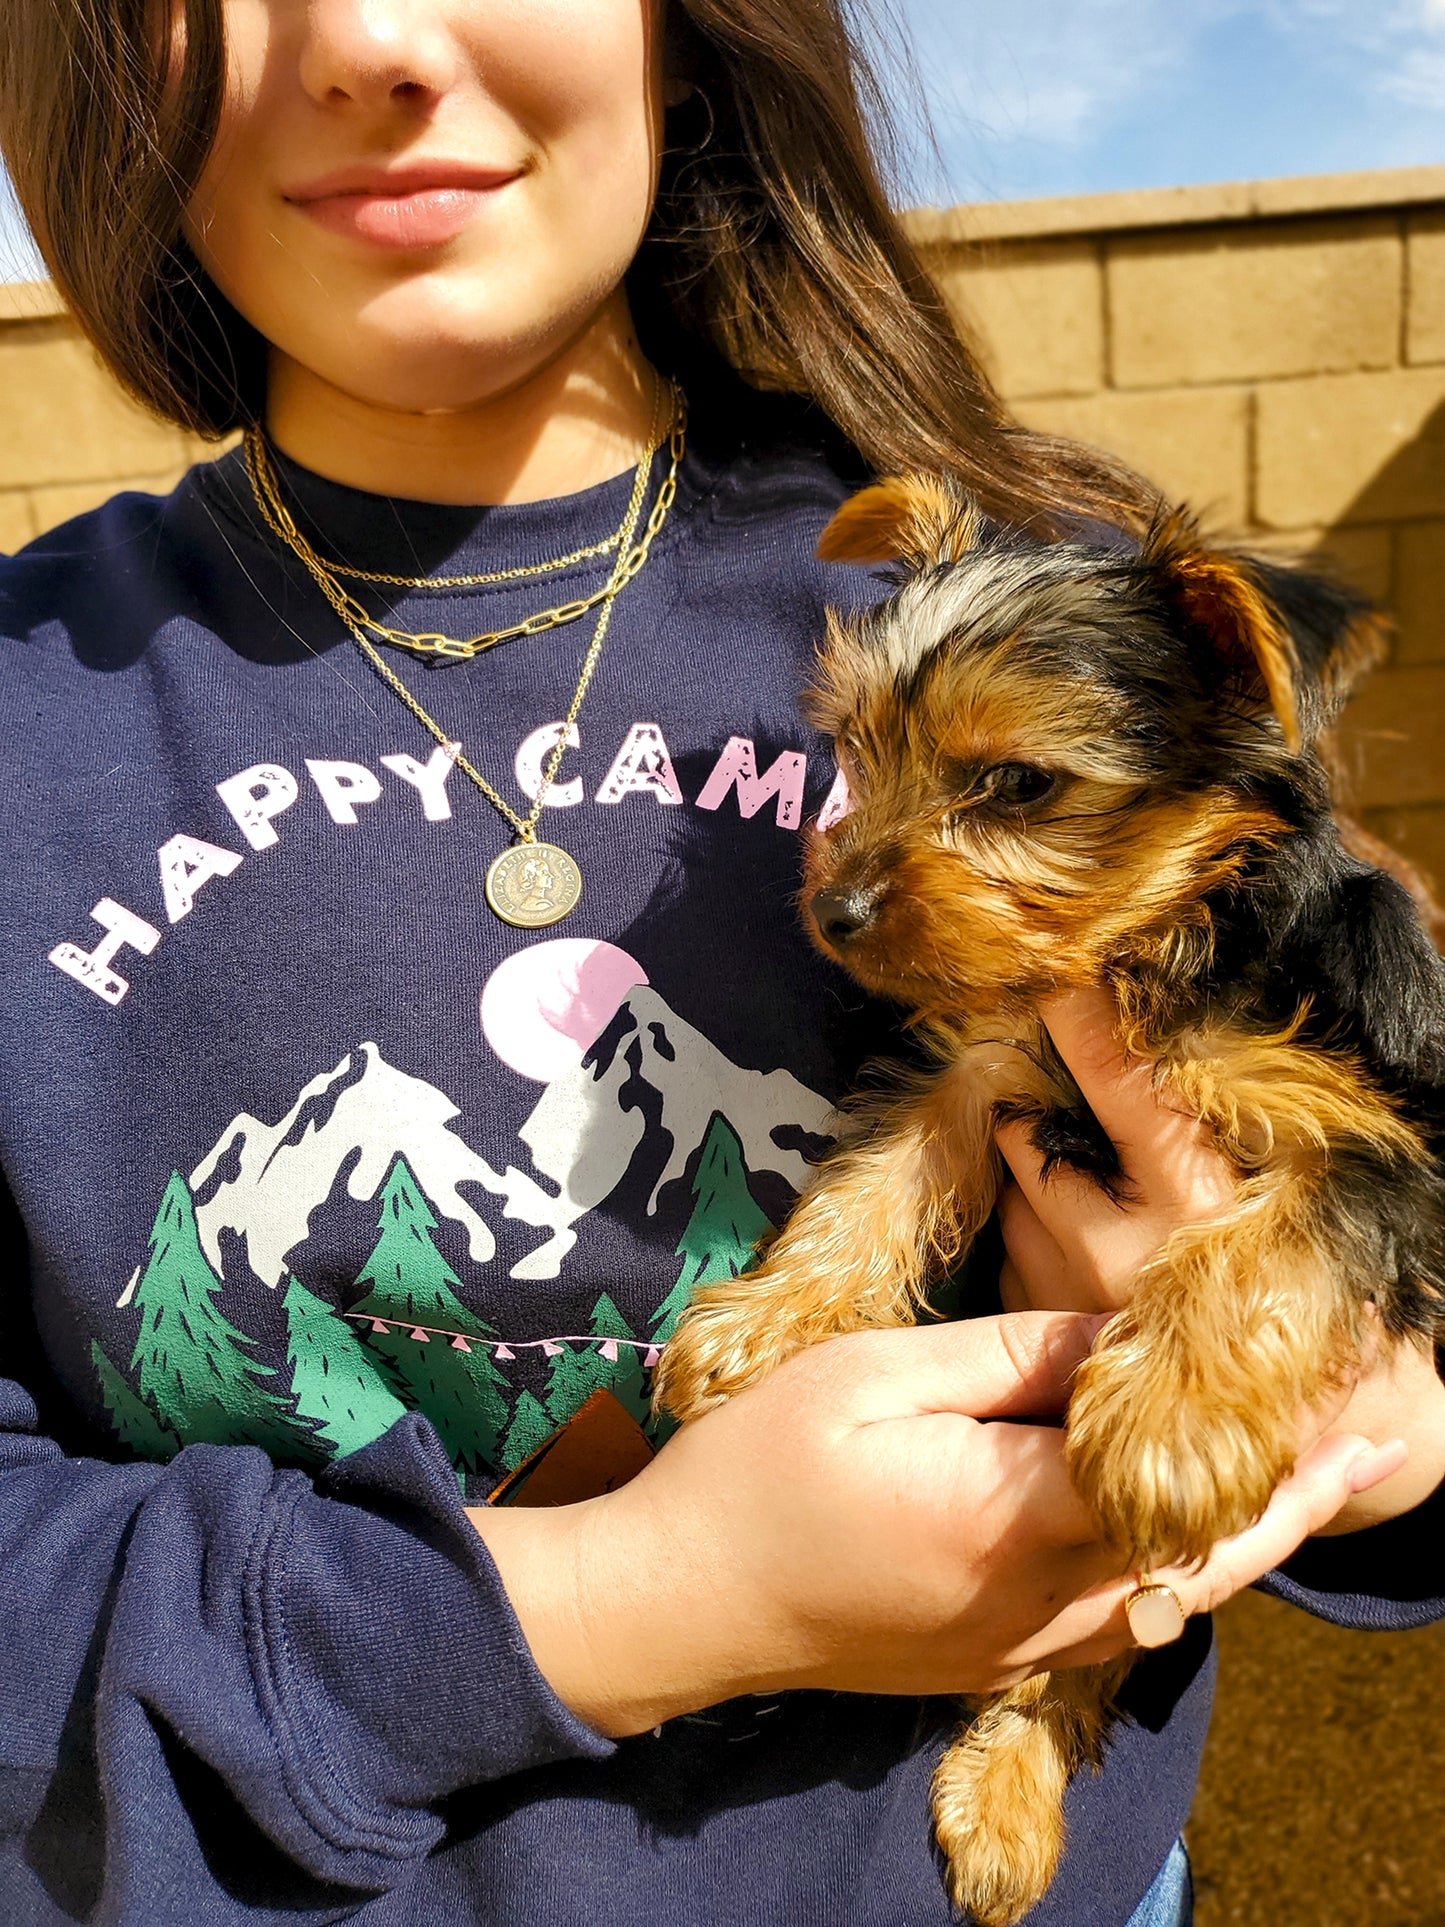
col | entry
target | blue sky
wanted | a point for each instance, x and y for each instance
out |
(1079, 96)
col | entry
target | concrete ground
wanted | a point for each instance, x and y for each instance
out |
(1323, 1797)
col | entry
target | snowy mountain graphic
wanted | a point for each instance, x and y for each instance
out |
(628, 1078)
(584, 1139)
(261, 1183)
(264, 1181)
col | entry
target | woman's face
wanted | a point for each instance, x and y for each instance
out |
(423, 201)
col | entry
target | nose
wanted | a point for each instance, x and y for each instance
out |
(368, 51)
(841, 914)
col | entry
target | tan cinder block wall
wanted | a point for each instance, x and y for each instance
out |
(68, 437)
(1271, 352)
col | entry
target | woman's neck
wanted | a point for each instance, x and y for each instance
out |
(580, 418)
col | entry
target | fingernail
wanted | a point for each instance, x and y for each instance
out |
(1094, 1322)
(1376, 1464)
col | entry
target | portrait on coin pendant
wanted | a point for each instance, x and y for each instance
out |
(534, 884)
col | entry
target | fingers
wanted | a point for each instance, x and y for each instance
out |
(1055, 1196)
(1164, 1149)
(1019, 1366)
(1035, 1275)
(1328, 1475)
(1059, 1200)
(1094, 1628)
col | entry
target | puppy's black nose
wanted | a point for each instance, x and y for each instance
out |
(841, 914)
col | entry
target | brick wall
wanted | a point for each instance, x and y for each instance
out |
(1272, 352)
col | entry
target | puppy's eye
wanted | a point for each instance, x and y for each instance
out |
(1011, 785)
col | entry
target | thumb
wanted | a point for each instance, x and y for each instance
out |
(1021, 1365)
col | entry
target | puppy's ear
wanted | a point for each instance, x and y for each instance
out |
(1299, 638)
(917, 519)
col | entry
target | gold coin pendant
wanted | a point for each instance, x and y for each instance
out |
(533, 884)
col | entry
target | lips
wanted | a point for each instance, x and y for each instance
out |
(421, 206)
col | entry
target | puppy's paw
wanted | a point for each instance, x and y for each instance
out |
(1165, 1465)
(731, 1336)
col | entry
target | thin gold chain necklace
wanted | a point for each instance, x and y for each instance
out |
(354, 613)
(532, 884)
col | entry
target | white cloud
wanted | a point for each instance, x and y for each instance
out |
(1053, 71)
(1399, 45)
(1053, 96)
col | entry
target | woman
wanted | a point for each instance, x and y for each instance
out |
(629, 284)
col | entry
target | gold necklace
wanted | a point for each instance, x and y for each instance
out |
(532, 884)
(266, 489)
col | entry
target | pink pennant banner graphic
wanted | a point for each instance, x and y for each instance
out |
(507, 1348)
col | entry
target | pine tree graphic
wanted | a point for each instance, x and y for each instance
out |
(531, 1426)
(579, 1371)
(461, 1391)
(136, 1425)
(724, 1228)
(335, 1380)
(195, 1369)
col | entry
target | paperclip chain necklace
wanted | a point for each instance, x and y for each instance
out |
(354, 613)
(532, 883)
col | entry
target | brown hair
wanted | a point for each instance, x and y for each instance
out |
(772, 247)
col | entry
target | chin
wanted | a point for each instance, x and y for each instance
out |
(436, 342)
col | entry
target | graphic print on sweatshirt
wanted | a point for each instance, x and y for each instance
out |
(626, 1082)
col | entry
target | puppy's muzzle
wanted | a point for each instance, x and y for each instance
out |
(842, 915)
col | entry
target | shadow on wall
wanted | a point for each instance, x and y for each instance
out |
(1391, 538)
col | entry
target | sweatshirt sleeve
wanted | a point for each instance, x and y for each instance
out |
(1388, 1578)
(339, 1654)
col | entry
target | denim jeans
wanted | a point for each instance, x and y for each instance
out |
(1170, 1901)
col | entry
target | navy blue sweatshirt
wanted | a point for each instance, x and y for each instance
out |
(332, 1195)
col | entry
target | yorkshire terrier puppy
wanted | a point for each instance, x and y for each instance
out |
(1071, 767)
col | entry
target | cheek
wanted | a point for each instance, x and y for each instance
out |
(579, 81)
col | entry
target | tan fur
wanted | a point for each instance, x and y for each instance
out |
(998, 1793)
(1216, 593)
(908, 517)
(1185, 1417)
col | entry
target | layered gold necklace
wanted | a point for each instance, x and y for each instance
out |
(531, 883)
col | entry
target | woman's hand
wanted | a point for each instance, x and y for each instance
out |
(1071, 1247)
(858, 1522)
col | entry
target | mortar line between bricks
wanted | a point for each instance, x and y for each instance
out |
(1180, 385)
(1403, 346)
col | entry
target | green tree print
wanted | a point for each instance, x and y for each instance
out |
(136, 1425)
(532, 1425)
(461, 1391)
(724, 1228)
(578, 1372)
(337, 1383)
(194, 1368)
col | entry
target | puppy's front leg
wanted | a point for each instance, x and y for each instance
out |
(1186, 1415)
(886, 1216)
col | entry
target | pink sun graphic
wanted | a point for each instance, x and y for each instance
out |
(545, 1007)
